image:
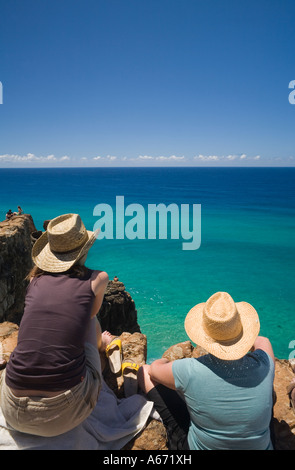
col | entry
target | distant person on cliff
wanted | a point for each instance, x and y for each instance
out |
(19, 211)
(53, 378)
(223, 399)
(9, 214)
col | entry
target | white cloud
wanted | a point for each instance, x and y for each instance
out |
(207, 157)
(108, 157)
(230, 157)
(30, 157)
(158, 158)
(172, 157)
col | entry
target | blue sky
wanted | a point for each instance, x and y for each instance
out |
(147, 83)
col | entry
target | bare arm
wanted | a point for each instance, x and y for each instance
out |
(160, 371)
(99, 283)
(263, 343)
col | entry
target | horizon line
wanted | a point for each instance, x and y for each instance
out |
(140, 167)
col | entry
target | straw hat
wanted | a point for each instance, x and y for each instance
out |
(65, 241)
(224, 328)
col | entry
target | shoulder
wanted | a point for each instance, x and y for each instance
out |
(264, 344)
(96, 274)
(263, 357)
(184, 367)
(264, 362)
(186, 371)
(99, 279)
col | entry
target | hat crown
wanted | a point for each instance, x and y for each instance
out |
(221, 319)
(66, 233)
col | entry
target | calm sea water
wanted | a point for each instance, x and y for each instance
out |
(247, 239)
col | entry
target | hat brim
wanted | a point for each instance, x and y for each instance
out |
(54, 262)
(227, 350)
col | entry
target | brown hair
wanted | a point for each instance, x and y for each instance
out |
(75, 271)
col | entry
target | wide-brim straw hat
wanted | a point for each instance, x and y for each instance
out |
(65, 241)
(222, 327)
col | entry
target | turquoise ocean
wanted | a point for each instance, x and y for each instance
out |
(247, 239)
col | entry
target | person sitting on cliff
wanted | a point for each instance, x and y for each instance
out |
(223, 399)
(19, 211)
(9, 214)
(53, 378)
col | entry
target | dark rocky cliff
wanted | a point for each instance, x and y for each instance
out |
(118, 313)
(15, 264)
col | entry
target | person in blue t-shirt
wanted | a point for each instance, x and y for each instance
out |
(223, 399)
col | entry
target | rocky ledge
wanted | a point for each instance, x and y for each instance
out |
(153, 437)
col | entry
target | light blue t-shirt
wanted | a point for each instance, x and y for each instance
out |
(230, 402)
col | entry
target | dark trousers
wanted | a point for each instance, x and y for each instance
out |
(174, 414)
